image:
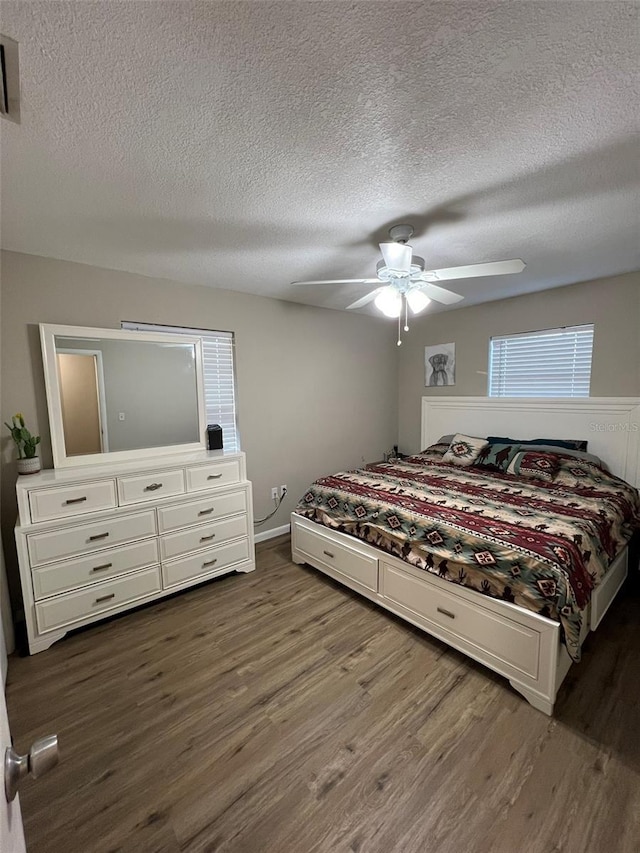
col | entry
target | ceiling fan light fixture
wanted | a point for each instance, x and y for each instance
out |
(397, 256)
(389, 302)
(417, 300)
(387, 273)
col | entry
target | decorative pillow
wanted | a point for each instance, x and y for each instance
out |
(535, 466)
(564, 452)
(464, 450)
(496, 457)
(579, 472)
(433, 453)
(568, 443)
(446, 439)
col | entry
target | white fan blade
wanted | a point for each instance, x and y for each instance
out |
(360, 303)
(397, 256)
(439, 294)
(341, 281)
(474, 270)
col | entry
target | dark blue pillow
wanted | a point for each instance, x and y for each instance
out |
(567, 443)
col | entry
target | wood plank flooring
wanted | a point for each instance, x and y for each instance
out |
(277, 712)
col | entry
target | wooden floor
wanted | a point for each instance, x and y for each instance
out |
(276, 712)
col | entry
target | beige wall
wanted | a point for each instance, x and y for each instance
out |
(613, 305)
(316, 388)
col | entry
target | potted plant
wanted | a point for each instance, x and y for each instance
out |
(28, 461)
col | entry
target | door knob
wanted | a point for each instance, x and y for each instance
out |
(42, 756)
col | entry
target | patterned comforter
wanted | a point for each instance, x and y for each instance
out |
(543, 546)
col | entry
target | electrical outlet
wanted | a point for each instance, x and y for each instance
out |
(274, 493)
(283, 491)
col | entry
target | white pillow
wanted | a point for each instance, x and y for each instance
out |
(464, 450)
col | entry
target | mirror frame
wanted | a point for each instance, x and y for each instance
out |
(48, 334)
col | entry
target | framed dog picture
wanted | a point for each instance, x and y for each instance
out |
(440, 365)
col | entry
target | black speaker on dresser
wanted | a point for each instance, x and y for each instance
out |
(214, 437)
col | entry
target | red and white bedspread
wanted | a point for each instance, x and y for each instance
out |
(544, 546)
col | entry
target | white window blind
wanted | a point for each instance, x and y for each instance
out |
(219, 376)
(550, 363)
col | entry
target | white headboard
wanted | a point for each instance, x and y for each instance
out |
(611, 425)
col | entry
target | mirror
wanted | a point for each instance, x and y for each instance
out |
(117, 395)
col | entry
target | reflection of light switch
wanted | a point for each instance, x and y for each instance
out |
(120, 416)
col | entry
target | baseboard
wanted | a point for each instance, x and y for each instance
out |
(271, 534)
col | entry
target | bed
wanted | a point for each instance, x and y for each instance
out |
(510, 570)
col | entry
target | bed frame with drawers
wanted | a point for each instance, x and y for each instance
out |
(521, 645)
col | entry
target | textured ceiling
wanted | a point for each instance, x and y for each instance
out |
(247, 144)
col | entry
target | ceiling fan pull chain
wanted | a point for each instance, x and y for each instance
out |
(399, 337)
(406, 312)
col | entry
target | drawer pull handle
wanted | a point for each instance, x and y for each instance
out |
(102, 567)
(329, 554)
(206, 511)
(152, 487)
(214, 476)
(98, 536)
(105, 598)
(209, 563)
(207, 538)
(75, 501)
(446, 612)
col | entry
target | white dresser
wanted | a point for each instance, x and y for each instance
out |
(94, 541)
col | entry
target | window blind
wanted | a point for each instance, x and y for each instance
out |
(219, 376)
(549, 363)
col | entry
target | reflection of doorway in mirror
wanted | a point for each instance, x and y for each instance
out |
(83, 401)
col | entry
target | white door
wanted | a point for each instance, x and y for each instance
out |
(11, 832)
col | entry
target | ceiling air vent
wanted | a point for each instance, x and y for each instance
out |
(9, 79)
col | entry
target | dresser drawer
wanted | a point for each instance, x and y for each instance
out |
(213, 474)
(100, 598)
(86, 538)
(206, 509)
(344, 561)
(205, 563)
(203, 536)
(62, 577)
(452, 617)
(66, 501)
(149, 487)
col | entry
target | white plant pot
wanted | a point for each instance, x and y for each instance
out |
(29, 466)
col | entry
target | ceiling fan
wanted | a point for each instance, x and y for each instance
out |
(403, 283)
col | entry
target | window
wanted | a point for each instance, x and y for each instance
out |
(219, 376)
(550, 363)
